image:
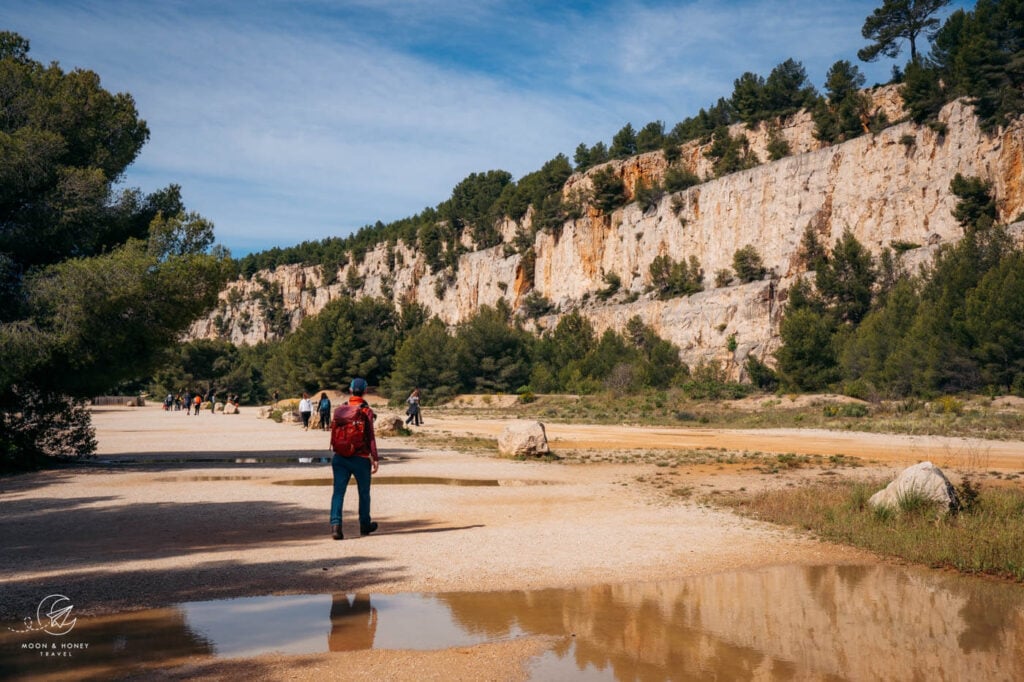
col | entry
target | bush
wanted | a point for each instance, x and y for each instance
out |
(778, 147)
(613, 283)
(761, 375)
(679, 179)
(854, 410)
(647, 195)
(671, 279)
(969, 496)
(948, 404)
(708, 382)
(609, 190)
(747, 263)
(536, 305)
(37, 426)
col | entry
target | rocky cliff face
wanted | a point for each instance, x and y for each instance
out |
(888, 187)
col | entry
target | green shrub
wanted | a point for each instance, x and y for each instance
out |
(678, 179)
(948, 404)
(748, 265)
(612, 284)
(609, 190)
(969, 496)
(855, 410)
(761, 375)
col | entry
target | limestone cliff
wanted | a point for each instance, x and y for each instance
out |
(888, 187)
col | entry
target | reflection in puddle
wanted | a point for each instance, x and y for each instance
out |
(399, 480)
(832, 622)
(193, 479)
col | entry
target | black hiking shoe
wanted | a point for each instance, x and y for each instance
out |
(336, 533)
(366, 530)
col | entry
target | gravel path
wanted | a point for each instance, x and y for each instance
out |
(130, 536)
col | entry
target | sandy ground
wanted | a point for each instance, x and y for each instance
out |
(133, 534)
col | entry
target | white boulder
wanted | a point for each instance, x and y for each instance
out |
(924, 479)
(523, 439)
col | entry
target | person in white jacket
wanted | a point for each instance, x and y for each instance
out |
(305, 410)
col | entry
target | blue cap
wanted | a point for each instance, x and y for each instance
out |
(357, 386)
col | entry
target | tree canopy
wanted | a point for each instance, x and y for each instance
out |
(97, 282)
(898, 20)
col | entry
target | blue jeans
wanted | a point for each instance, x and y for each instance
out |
(344, 468)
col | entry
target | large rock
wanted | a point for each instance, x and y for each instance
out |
(924, 479)
(388, 424)
(523, 439)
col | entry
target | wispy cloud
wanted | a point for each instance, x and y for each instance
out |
(287, 121)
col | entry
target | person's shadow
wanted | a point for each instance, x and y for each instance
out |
(353, 623)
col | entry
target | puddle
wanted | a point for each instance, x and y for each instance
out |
(122, 461)
(399, 480)
(193, 479)
(846, 622)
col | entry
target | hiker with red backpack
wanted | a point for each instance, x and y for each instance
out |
(355, 454)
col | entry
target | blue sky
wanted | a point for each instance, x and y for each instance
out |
(290, 121)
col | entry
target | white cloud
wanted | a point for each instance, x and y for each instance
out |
(332, 115)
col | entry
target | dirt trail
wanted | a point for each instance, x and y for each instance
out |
(144, 534)
(877, 447)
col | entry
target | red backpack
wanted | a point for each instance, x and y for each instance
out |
(350, 431)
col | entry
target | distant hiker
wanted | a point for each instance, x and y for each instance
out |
(211, 397)
(188, 402)
(324, 408)
(305, 409)
(277, 397)
(197, 402)
(355, 454)
(414, 407)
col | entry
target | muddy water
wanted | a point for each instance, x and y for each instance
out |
(784, 623)
(400, 480)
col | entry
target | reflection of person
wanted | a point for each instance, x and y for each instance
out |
(362, 463)
(353, 623)
(324, 408)
(414, 407)
(305, 409)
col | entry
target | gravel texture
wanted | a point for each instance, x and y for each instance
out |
(126, 533)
